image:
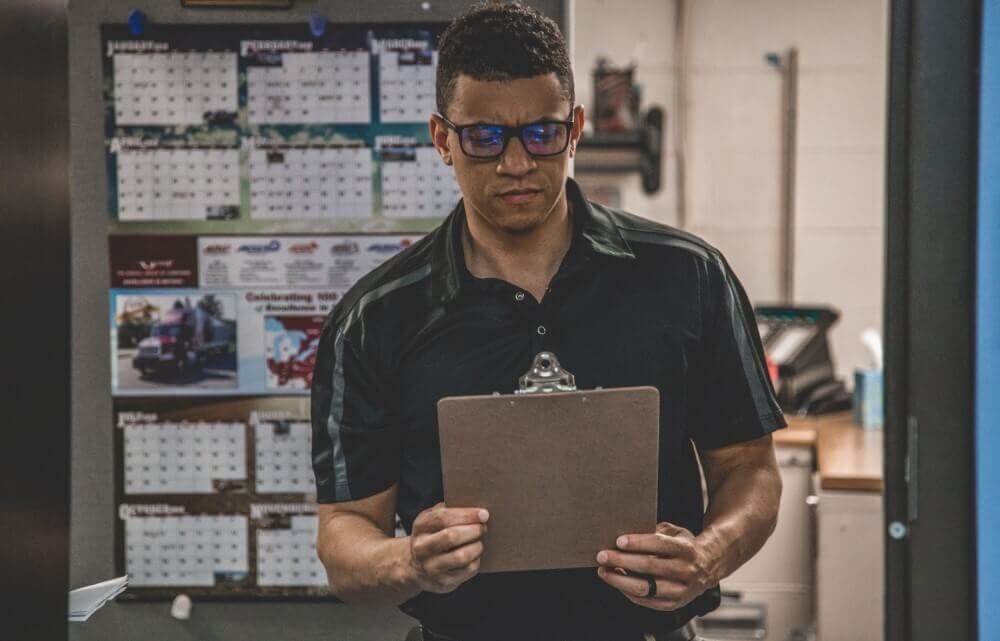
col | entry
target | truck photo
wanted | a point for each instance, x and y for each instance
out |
(183, 340)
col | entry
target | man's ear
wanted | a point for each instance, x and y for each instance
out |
(439, 137)
(579, 117)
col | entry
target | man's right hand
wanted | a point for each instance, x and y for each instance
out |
(446, 545)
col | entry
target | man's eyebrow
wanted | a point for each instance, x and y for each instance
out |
(497, 122)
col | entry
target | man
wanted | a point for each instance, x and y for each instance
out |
(524, 264)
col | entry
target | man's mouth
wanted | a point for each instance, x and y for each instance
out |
(518, 196)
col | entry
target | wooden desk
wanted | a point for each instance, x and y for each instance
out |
(848, 457)
(844, 570)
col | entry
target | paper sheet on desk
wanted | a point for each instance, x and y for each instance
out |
(84, 601)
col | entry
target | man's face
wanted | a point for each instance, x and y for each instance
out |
(516, 192)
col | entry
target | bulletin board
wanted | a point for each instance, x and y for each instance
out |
(97, 470)
(254, 174)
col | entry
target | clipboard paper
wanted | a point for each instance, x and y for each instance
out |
(563, 474)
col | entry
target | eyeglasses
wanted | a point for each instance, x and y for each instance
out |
(540, 138)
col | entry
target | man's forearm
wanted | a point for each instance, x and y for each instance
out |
(363, 564)
(742, 513)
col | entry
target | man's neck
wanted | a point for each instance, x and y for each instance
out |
(527, 260)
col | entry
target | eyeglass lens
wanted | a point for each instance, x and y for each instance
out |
(542, 139)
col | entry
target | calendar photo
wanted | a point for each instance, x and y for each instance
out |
(247, 317)
(290, 347)
(193, 342)
(174, 341)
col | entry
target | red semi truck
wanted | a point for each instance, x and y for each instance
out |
(183, 340)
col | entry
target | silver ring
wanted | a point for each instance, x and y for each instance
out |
(652, 587)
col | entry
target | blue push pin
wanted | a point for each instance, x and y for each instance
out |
(317, 25)
(136, 22)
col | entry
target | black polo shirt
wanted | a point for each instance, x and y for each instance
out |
(633, 303)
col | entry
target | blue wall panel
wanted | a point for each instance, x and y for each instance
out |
(988, 332)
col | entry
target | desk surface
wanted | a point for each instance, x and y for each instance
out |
(848, 457)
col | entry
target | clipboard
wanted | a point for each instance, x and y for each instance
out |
(563, 472)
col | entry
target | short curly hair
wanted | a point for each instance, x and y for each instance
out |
(501, 41)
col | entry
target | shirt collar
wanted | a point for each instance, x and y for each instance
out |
(592, 227)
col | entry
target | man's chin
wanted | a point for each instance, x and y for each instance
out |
(519, 222)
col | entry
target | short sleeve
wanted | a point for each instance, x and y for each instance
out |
(731, 396)
(354, 446)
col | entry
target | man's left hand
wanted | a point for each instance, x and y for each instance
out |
(672, 557)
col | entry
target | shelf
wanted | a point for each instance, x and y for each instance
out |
(627, 151)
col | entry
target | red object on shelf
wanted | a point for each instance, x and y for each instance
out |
(772, 371)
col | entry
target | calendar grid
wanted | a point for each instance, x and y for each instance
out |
(283, 462)
(186, 550)
(286, 553)
(407, 89)
(416, 184)
(310, 88)
(295, 182)
(175, 88)
(180, 183)
(216, 497)
(320, 102)
(203, 457)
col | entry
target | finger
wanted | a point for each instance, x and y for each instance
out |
(454, 560)
(672, 569)
(448, 581)
(663, 605)
(448, 539)
(638, 586)
(680, 570)
(440, 517)
(665, 527)
(658, 544)
(467, 571)
(424, 517)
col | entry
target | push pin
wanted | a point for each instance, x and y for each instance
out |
(317, 25)
(180, 609)
(136, 22)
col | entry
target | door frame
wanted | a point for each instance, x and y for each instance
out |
(929, 319)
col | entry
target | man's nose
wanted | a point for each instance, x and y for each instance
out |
(515, 159)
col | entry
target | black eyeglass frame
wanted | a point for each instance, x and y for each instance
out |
(511, 132)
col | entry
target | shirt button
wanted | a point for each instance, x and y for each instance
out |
(519, 296)
(541, 330)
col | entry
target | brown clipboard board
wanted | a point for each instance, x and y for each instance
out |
(563, 473)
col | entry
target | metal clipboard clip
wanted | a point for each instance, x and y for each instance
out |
(546, 376)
